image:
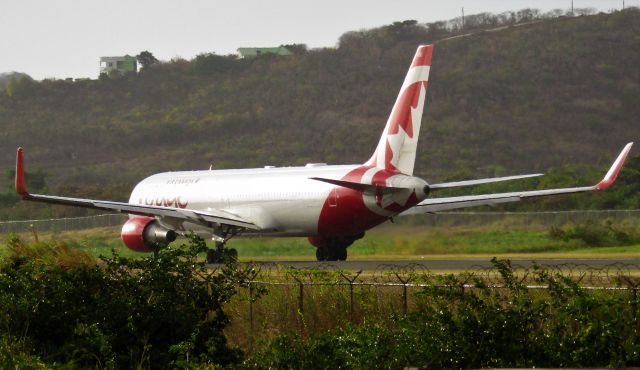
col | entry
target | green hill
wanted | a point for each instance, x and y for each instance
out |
(7, 77)
(519, 99)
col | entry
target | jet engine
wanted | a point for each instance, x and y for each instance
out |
(144, 234)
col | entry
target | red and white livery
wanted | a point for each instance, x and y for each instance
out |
(331, 205)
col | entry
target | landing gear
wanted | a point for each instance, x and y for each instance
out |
(321, 254)
(338, 253)
(221, 254)
(333, 248)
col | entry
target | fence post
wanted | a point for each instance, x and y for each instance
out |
(351, 300)
(301, 298)
(251, 315)
(405, 298)
(405, 307)
(634, 304)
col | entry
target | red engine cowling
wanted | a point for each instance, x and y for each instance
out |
(143, 234)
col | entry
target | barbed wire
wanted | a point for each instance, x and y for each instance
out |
(625, 275)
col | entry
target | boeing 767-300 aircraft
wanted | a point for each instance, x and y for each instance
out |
(331, 205)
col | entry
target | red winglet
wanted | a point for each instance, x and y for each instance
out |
(612, 174)
(21, 188)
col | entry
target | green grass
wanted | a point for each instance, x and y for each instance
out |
(96, 242)
(414, 242)
(417, 241)
(273, 247)
(385, 242)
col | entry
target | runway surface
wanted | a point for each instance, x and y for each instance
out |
(461, 264)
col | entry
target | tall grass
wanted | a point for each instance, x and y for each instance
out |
(449, 325)
(408, 240)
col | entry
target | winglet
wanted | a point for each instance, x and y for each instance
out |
(21, 188)
(612, 174)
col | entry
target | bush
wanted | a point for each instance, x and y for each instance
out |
(119, 313)
(13, 355)
(512, 326)
(594, 234)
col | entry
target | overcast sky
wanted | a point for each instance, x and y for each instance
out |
(65, 38)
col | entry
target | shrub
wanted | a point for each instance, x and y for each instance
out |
(595, 234)
(480, 326)
(120, 313)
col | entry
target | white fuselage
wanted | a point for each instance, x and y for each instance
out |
(282, 201)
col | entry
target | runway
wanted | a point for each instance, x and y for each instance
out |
(457, 264)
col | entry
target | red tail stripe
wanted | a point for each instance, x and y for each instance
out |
(423, 56)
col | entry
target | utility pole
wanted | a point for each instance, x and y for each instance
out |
(463, 17)
(572, 13)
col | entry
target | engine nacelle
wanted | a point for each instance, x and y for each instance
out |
(142, 234)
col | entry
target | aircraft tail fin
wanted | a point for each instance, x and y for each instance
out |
(396, 150)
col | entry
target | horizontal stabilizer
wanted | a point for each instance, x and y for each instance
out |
(455, 184)
(358, 186)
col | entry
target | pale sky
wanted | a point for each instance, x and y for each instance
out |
(66, 38)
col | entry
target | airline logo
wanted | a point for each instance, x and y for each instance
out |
(397, 147)
(356, 210)
(173, 202)
(380, 203)
(394, 156)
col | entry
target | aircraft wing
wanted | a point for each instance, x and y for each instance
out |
(200, 217)
(443, 204)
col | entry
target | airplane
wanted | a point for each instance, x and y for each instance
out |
(331, 205)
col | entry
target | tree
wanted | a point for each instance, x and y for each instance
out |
(296, 48)
(36, 181)
(7, 77)
(146, 59)
(155, 313)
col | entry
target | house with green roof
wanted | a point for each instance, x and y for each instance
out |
(122, 65)
(254, 52)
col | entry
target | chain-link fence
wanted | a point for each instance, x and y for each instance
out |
(280, 299)
(525, 220)
(63, 224)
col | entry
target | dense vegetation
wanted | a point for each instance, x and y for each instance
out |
(60, 308)
(479, 327)
(8, 80)
(537, 96)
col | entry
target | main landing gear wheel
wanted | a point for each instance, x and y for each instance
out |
(331, 254)
(321, 254)
(221, 254)
(333, 248)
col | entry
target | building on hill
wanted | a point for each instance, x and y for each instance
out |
(254, 52)
(122, 65)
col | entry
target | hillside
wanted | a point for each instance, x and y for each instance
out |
(6, 77)
(520, 99)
